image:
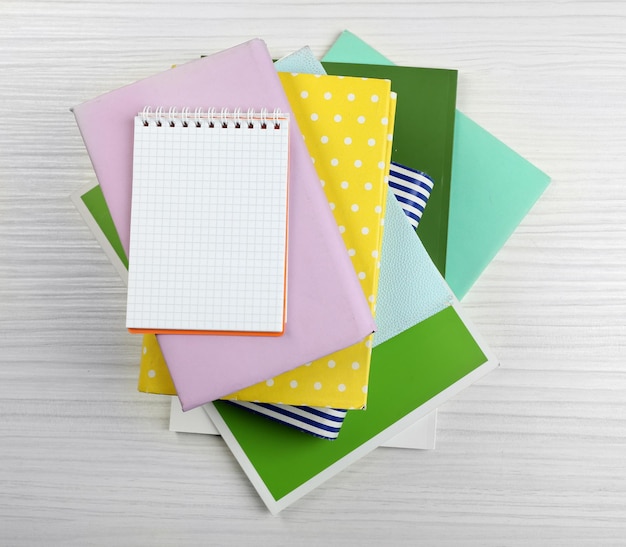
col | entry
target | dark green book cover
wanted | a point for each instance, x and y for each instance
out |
(423, 137)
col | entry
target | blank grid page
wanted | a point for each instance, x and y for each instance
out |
(208, 227)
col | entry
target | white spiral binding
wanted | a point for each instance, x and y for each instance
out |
(211, 117)
(225, 118)
(196, 117)
(144, 115)
(276, 118)
(237, 117)
(171, 116)
(184, 117)
(158, 115)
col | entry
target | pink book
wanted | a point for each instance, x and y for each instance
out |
(326, 308)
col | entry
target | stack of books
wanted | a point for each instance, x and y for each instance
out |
(296, 236)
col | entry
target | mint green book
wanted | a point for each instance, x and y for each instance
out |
(492, 186)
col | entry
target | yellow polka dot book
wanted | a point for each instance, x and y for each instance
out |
(347, 124)
(154, 377)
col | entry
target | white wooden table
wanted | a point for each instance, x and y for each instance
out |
(533, 454)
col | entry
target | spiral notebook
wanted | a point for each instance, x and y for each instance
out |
(208, 222)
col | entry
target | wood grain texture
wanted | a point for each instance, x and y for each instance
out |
(533, 454)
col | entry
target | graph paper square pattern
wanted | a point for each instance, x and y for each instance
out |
(208, 225)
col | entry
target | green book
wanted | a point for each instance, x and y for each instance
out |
(284, 464)
(90, 202)
(422, 138)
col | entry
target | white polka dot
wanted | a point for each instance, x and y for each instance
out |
(337, 117)
(334, 162)
(381, 164)
(304, 94)
(374, 253)
(317, 385)
(307, 364)
(368, 343)
(351, 252)
(364, 389)
(341, 387)
(314, 117)
(361, 275)
(312, 159)
(151, 373)
(390, 137)
(269, 382)
(365, 230)
(371, 298)
(324, 139)
(351, 96)
(331, 364)
(344, 184)
(342, 229)
(328, 95)
(355, 365)
(354, 207)
(293, 384)
(361, 119)
(358, 163)
(368, 185)
(332, 206)
(384, 120)
(371, 142)
(374, 98)
(323, 183)
(347, 140)
(382, 221)
(145, 350)
(378, 209)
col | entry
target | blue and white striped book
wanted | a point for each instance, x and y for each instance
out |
(318, 421)
(412, 189)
